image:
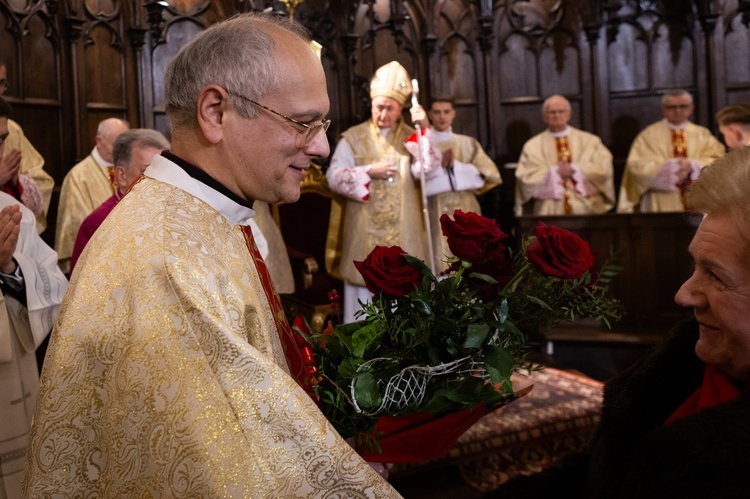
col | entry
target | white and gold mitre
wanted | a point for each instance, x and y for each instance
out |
(392, 81)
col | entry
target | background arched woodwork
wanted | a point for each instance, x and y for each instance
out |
(74, 62)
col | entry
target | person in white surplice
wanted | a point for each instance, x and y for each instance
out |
(32, 288)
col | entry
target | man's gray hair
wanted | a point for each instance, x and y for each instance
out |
(555, 96)
(678, 92)
(724, 185)
(122, 151)
(237, 54)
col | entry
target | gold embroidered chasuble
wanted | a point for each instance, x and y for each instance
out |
(466, 150)
(32, 165)
(166, 375)
(650, 149)
(588, 152)
(85, 187)
(393, 213)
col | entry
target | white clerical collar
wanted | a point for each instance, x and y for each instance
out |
(442, 136)
(164, 170)
(562, 133)
(101, 161)
(681, 126)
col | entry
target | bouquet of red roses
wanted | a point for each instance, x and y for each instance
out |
(431, 355)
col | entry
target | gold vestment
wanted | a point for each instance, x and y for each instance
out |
(86, 186)
(32, 165)
(393, 214)
(587, 151)
(650, 149)
(166, 376)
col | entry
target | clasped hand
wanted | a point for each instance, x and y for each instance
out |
(9, 167)
(10, 226)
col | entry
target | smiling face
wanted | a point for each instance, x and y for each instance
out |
(266, 156)
(719, 293)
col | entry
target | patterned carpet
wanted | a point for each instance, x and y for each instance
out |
(554, 419)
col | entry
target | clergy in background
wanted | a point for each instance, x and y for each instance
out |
(132, 153)
(22, 172)
(32, 287)
(371, 169)
(563, 170)
(464, 172)
(87, 185)
(666, 157)
(166, 374)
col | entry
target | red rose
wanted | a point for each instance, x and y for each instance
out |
(386, 271)
(559, 253)
(472, 237)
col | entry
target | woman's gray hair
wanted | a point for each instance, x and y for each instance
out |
(724, 185)
(237, 54)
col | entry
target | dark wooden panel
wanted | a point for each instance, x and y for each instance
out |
(627, 55)
(104, 78)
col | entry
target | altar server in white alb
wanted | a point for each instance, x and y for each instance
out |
(32, 288)
(463, 172)
(563, 170)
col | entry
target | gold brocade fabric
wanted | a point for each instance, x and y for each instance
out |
(393, 213)
(165, 376)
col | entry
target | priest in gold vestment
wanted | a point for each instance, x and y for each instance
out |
(166, 374)
(665, 158)
(30, 184)
(86, 186)
(464, 172)
(371, 169)
(563, 170)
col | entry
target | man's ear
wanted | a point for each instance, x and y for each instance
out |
(212, 104)
(120, 175)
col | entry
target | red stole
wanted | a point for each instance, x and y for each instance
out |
(717, 388)
(563, 154)
(294, 355)
(679, 150)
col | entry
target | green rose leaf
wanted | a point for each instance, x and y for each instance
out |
(499, 364)
(364, 337)
(476, 334)
(366, 391)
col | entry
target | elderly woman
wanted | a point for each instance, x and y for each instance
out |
(677, 424)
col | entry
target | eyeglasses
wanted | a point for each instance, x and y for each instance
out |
(310, 131)
(677, 107)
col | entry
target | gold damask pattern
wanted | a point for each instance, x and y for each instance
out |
(392, 215)
(165, 376)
